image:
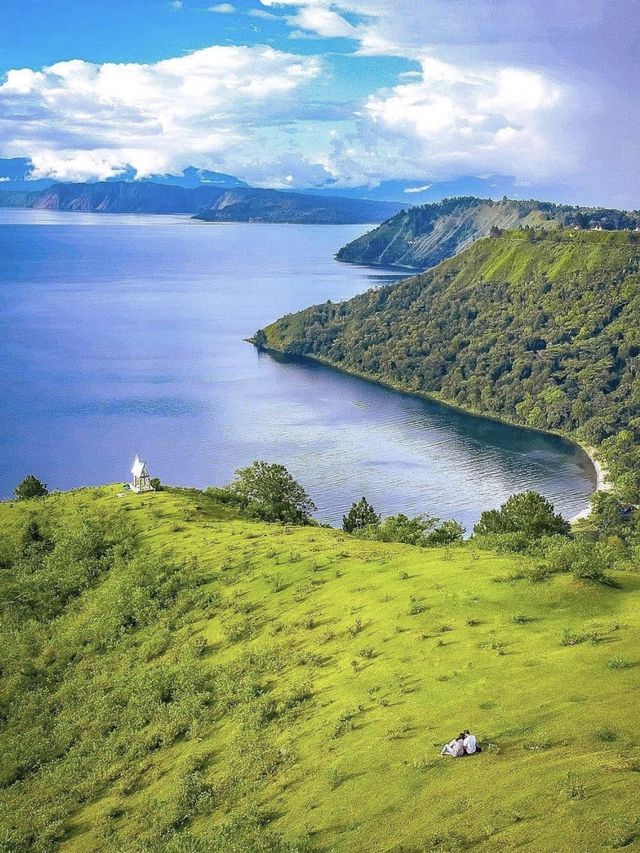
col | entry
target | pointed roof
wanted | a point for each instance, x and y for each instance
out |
(138, 467)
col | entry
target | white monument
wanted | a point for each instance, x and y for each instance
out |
(141, 478)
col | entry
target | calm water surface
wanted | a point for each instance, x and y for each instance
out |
(124, 335)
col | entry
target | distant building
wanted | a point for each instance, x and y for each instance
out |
(141, 478)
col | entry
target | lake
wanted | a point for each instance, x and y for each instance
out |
(124, 335)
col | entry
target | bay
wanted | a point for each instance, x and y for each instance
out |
(125, 334)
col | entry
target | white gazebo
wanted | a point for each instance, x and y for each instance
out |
(141, 478)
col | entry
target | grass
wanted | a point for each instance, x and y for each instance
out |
(323, 673)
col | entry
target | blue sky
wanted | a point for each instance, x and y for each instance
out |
(301, 93)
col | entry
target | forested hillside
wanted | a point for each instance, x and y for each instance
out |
(540, 328)
(176, 678)
(423, 236)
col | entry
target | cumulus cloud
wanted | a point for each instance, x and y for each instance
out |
(540, 91)
(222, 9)
(79, 120)
(454, 121)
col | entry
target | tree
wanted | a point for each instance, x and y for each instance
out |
(269, 492)
(448, 532)
(528, 512)
(30, 487)
(361, 515)
(610, 516)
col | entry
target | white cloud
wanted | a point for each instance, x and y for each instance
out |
(78, 120)
(453, 121)
(323, 22)
(176, 4)
(222, 9)
(263, 14)
(539, 91)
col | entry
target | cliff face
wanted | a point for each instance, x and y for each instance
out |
(421, 237)
(208, 203)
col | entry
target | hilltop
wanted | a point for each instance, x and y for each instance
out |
(538, 328)
(208, 202)
(423, 236)
(176, 677)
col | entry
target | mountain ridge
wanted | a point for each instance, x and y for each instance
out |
(420, 237)
(205, 202)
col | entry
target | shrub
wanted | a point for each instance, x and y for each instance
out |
(355, 629)
(335, 778)
(415, 607)
(606, 735)
(588, 561)
(422, 530)
(619, 663)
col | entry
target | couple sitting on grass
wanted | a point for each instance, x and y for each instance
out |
(464, 744)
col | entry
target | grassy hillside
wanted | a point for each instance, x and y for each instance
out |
(178, 679)
(423, 236)
(534, 327)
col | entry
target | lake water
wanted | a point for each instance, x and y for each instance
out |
(124, 335)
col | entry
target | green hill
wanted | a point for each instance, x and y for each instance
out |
(175, 678)
(538, 328)
(423, 236)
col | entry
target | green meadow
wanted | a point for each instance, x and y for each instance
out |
(178, 678)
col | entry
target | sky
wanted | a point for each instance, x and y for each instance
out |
(300, 93)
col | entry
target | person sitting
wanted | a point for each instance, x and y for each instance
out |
(454, 747)
(470, 743)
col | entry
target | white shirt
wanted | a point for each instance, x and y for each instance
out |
(470, 744)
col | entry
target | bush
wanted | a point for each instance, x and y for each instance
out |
(588, 561)
(423, 530)
(619, 663)
(30, 487)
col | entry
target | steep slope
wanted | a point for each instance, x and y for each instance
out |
(297, 208)
(174, 678)
(421, 237)
(540, 329)
(212, 203)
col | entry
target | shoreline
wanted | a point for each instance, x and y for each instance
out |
(603, 484)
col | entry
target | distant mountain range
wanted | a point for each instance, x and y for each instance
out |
(16, 175)
(423, 236)
(206, 202)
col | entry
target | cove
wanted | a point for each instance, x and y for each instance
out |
(124, 335)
